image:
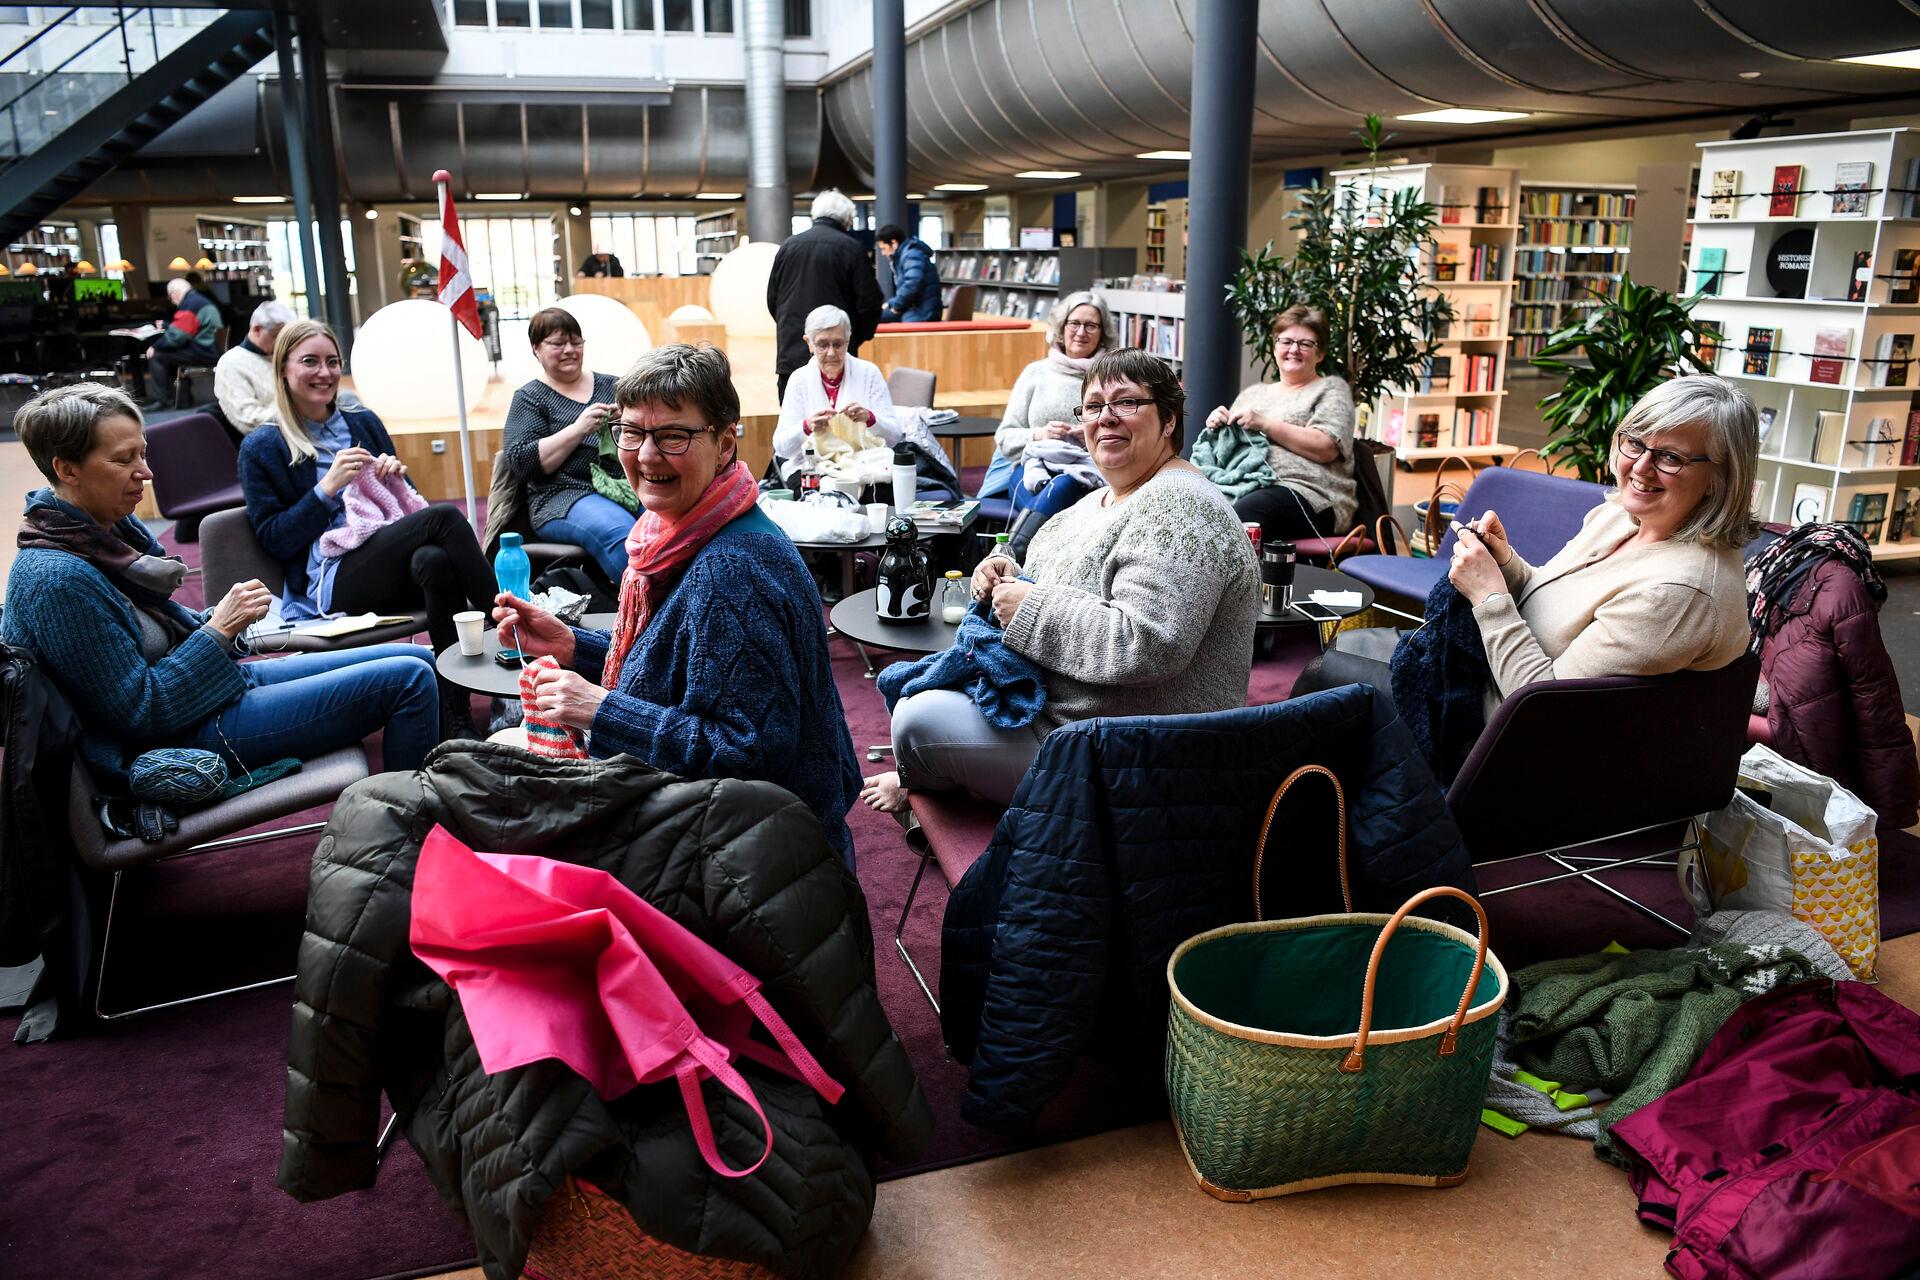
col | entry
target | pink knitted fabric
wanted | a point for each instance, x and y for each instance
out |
(372, 504)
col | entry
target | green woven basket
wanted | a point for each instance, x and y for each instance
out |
(1331, 1049)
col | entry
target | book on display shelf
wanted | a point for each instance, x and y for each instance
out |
(1453, 205)
(1723, 193)
(1760, 351)
(1427, 431)
(1866, 513)
(1862, 277)
(1912, 185)
(1767, 415)
(1903, 287)
(1829, 430)
(1809, 504)
(1479, 319)
(1491, 205)
(1893, 359)
(1437, 375)
(1850, 182)
(1910, 439)
(1713, 266)
(1829, 354)
(1878, 447)
(1758, 506)
(1708, 335)
(1446, 260)
(1392, 425)
(1784, 199)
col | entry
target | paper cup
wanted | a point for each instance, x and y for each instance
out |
(877, 517)
(471, 624)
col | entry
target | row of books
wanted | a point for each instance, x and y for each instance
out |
(975, 266)
(1569, 288)
(1158, 335)
(1464, 428)
(1580, 233)
(1145, 284)
(1539, 319)
(1543, 262)
(1890, 366)
(1576, 204)
(1847, 187)
(1453, 261)
(1903, 282)
(1015, 304)
(1487, 205)
(1459, 374)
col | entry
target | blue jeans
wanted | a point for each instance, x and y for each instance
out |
(307, 704)
(1001, 472)
(1054, 497)
(599, 524)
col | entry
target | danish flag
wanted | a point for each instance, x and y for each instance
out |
(456, 284)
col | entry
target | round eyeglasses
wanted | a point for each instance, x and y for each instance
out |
(1665, 461)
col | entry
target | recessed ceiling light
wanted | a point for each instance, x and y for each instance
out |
(718, 195)
(1906, 58)
(1749, 75)
(372, 214)
(259, 199)
(496, 195)
(1165, 155)
(574, 209)
(960, 186)
(1463, 115)
(916, 195)
(1048, 173)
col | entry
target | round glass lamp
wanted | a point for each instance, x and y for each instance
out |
(615, 336)
(738, 290)
(403, 363)
(28, 268)
(692, 313)
(84, 268)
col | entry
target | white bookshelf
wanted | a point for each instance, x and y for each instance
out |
(1468, 228)
(1150, 319)
(1574, 242)
(1749, 300)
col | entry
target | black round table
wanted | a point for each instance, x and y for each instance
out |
(485, 676)
(856, 619)
(958, 431)
(1307, 579)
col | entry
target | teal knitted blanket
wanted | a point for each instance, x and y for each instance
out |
(1235, 459)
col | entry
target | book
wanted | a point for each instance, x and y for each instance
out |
(1784, 201)
(1453, 205)
(1392, 426)
(1809, 504)
(1910, 439)
(1713, 268)
(1767, 415)
(1879, 447)
(1479, 319)
(951, 513)
(1722, 194)
(1446, 260)
(1851, 179)
(1829, 429)
(1912, 187)
(1491, 205)
(1437, 375)
(1827, 344)
(1866, 513)
(1862, 277)
(1893, 359)
(1427, 431)
(1759, 504)
(1902, 287)
(1759, 354)
(1707, 337)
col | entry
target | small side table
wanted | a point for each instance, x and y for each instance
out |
(857, 618)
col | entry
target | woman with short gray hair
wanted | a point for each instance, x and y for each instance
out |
(830, 383)
(1040, 406)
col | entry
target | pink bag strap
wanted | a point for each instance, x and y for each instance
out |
(799, 1063)
(790, 1059)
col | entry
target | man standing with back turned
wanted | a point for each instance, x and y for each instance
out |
(823, 264)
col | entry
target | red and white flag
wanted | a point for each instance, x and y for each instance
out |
(456, 284)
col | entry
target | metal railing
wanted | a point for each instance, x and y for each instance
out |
(92, 64)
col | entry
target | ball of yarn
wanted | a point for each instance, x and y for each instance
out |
(177, 776)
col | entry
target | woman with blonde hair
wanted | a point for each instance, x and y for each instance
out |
(296, 479)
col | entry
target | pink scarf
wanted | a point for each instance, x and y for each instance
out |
(658, 550)
(1075, 365)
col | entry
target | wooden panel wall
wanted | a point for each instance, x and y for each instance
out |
(652, 298)
(974, 361)
(437, 475)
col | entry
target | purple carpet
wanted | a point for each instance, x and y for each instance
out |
(149, 1149)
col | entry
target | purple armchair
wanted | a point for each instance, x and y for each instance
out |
(196, 470)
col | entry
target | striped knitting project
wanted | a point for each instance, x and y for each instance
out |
(545, 737)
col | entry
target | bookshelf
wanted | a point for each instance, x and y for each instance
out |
(1456, 409)
(1154, 320)
(1840, 408)
(714, 237)
(50, 246)
(1155, 262)
(1573, 247)
(1017, 283)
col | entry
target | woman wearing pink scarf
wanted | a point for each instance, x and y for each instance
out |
(717, 666)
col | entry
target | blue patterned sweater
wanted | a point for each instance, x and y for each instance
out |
(731, 678)
(83, 632)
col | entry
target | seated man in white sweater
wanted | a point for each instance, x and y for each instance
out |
(831, 382)
(243, 378)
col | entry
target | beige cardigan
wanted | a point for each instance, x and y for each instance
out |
(1595, 611)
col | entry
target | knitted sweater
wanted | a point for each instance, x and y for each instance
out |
(243, 384)
(1042, 393)
(1595, 611)
(861, 383)
(731, 678)
(1141, 608)
(1326, 405)
(85, 634)
(537, 412)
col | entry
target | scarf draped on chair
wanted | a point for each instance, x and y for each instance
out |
(658, 550)
(149, 581)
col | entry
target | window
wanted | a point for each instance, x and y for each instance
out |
(469, 13)
(799, 17)
(512, 13)
(719, 16)
(283, 253)
(596, 15)
(556, 14)
(636, 15)
(801, 222)
(678, 14)
(933, 229)
(648, 244)
(996, 231)
(511, 258)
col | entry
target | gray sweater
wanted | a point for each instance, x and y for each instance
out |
(1326, 405)
(1142, 608)
(1041, 394)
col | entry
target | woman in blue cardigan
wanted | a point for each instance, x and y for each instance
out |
(294, 478)
(90, 596)
(717, 666)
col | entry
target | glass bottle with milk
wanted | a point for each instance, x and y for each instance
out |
(953, 599)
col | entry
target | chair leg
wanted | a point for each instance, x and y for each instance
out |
(878, 750)
(1568, 861)
(1627, 898)
(899, 928)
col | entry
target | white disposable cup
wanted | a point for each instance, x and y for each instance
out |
(877, 517)
(471, 625)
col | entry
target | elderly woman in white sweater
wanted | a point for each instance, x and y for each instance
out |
(829, 383)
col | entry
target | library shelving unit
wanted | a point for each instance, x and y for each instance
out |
(1155, 320)
(49, 246)
(714, 237)
(1834, 380)
(1155, 262)
(1017, 283)
(1574, 242)
(1456, 410)
(237, 248)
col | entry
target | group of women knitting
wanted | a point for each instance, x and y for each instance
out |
(717, 664)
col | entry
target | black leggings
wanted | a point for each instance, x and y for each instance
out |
(1284, 513)
(430, 556)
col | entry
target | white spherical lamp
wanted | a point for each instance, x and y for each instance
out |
(739, 290)
(692, 313)
(615, 337)
(403, 362)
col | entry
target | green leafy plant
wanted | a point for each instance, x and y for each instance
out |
(1358, 261)
(1633, 342)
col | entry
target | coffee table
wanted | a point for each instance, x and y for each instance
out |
(876, 542)
(1307, 579)
(960, 430)
(485, 676)
(857, 618)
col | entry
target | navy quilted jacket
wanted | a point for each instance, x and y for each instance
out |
(1130, 835)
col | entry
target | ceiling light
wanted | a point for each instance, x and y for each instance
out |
(916, 195)
(718, 195)
(1909, 59)
(1164, 155)
(1048, 173)
(961, 186)
(497, 195)
(372, 214)
(259, 199)
(574, 209)
(1749, 75)
(1463, 115)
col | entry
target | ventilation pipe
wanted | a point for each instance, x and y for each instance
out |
(769, 199)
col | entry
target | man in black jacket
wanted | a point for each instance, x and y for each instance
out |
(823, 264)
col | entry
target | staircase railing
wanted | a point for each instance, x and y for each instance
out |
(35, 106)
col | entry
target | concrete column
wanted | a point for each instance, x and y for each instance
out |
(375, 277)
(576, 242)
(131, 219)
(1218, 181)
(889, 117)
(292, 119)
(1121, 217)
(324, 175)
(769, 198)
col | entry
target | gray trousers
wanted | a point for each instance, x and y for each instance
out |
(941, 741)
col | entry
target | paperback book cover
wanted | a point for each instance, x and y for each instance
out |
(1829, 430)
(1902, 288)
(1446, 260)
(1878, 447)
(1828, 344)
(1480, 320)
(1866, 512)
(1809, 503)
(1767, 415)
(1850, 182)
(1862, 277)
(1910, 440)
(1713, 268)
(1492, 205)
(1707, 337)
(1785, 200)
(1453, 205)
(1894, 359)
(1760, 345)
(1723, 193)
(1912, 185)
(1427, 431)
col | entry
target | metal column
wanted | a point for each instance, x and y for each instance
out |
(769, 198)
(293, 124)
(323, 171)
(889, 122)
(1218, 186)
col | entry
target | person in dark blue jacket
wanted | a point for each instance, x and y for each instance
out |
(293, 479)
(916, 281)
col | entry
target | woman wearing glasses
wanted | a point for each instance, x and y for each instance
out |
(553, 442)
(1306, 422)
(717, 665)
(1137, 600)
(831, 382)
(1040, 406)
(343, 556)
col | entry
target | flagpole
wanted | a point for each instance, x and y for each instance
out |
(440, 179)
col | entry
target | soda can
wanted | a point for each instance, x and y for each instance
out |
(1253, 535)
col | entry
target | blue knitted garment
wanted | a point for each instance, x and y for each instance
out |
(1008, 688)
(1235, 458)
(731, 678)
(1439, 677)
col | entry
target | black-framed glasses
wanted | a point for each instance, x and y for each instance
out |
(672, 441)
(1121, 409)
(1297, 344)
(1666, 461)
(561, 344)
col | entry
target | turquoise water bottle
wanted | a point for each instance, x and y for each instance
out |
(511, 568)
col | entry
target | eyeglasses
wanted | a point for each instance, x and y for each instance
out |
(561, 344)
(672, 441)
(1665, 461)
(1121, 409)
(1297, 344)
(1084, 326)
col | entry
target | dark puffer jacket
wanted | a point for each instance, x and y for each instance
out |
(1834, 699)
(744, 866)
(1127, 837)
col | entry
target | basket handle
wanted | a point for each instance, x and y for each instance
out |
(1266, 823)
(1358, 531)
(1432, 526)
(1380, 528)
(1513, 459)
(1355, 1058)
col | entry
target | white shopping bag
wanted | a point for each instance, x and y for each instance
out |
(1810, 852)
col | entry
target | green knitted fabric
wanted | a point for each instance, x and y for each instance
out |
(609, 480)
(1234, 458)
(1633, 1024)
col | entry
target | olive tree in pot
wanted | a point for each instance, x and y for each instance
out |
(1358, 261)
(1633, 342)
